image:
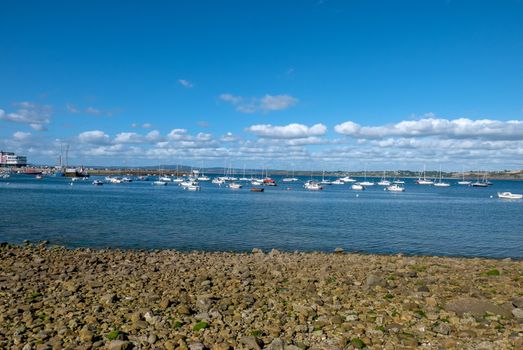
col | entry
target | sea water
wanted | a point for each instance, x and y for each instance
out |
(423, 220)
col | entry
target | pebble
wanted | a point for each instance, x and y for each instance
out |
(77, 298)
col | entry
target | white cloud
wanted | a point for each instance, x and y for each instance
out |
(291, 131)
(93, 111)
(21, 136)
(276, 103)
(33, 115)
(153, 135)
(185, 83)
(228, 137)
(128, 137)
(436, 127)
(147, 125)
(202, 136)
(94, 137)
(177, 134)
(267, 103)
(71, 108)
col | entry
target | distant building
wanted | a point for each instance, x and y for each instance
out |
(9, 159)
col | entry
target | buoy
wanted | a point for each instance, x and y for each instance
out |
(357, 195)
(491, 196)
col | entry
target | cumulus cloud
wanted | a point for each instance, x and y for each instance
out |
(128, 137)
(228, 137)
(177, 134)
(94, 137)
(185, 83)
(266, 103)
(33, 115)
(153, 135)
(21, 136)
(435, 127)
(291, 131)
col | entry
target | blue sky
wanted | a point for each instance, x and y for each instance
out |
(321, 84)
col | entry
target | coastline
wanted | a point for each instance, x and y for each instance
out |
(56, 297)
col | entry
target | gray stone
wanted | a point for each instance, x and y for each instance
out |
(251, 342)
(119, 345)
(518, 302)
(374, 280)
(196, 346)
(276, 344)
(476, 307)
(108, 299)
(442, 328)
(518, 313)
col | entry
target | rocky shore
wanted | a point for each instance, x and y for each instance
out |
(58, 298)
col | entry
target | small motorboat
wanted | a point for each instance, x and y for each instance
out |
(358, 187)
(235, 186)
(193, 188)
(395, 188)
(39, 177)
(257, 189)
(509, 195)
(98, 182)
(159, 183)
(313, 186)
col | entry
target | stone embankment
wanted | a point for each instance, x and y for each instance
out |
(56, 298)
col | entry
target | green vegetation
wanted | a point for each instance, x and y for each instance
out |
(256, 333)
(388, 296)
(200, 325)
(177, 324)
(493, 272)
(113, 335)
(358, 343)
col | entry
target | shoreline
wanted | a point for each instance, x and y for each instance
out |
(84, 298)
(337, 250)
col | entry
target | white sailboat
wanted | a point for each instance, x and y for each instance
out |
(384, 181)
(423, 180)
(323, 181)
(365, 182)
(290, 179)
(463, 181)
(159, 182)
(440, 182)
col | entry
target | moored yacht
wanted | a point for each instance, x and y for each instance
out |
(357, 187)
(312, 186)
(509, 195)
(395, 188)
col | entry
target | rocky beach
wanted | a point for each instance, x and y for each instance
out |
(53, 297)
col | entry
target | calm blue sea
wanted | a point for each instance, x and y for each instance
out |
(457, 221)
